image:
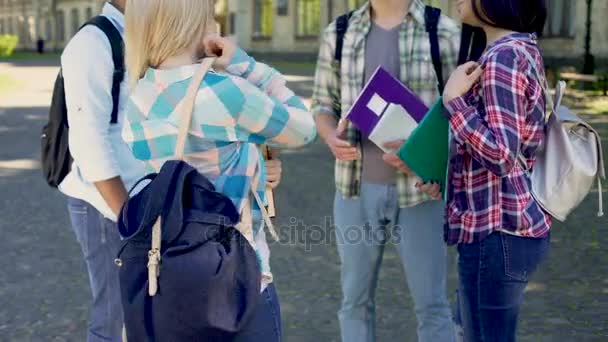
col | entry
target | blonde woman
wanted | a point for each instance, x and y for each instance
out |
(239, 106)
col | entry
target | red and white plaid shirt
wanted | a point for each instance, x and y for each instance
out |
(501, 117)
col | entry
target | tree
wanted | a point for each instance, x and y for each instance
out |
(589, 65)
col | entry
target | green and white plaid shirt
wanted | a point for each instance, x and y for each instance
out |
(341, 84)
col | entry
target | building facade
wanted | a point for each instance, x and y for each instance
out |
(54, 21)
(293, 26)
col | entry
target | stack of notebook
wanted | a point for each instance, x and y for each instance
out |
(387, 111)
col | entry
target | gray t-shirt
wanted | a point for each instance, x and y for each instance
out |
(382, 49)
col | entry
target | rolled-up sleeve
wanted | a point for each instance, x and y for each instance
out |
(326, 92)
(87, 69)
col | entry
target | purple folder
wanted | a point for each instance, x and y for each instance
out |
(390, 90)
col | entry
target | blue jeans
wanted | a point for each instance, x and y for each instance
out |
(363, 227)
(493, 276)
(99, 241)
(266, 323)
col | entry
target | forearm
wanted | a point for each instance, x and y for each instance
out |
(326, 125)
(113, 192)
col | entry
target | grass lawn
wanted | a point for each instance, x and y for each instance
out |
(586, 102)
(27, 56)
(8, 84)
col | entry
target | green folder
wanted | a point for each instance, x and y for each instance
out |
(426, 150)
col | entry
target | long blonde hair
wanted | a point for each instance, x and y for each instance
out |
(158, 29)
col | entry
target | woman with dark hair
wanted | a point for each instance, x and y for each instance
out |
(496, 108)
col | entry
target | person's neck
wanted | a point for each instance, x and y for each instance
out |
(118, 5)
(389, 13)
(183, 59)
(493, 34)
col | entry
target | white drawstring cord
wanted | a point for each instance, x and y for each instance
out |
(600, 212)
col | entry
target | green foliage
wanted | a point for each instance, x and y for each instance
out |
(8, 43)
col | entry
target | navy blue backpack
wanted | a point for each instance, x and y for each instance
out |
(186, 272)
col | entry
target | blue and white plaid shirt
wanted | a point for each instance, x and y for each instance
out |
(233, 114)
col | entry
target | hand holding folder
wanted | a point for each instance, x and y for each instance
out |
(427, 149)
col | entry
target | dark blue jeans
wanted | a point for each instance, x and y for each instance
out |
(99, 241)
(493, 276)
(266, 323)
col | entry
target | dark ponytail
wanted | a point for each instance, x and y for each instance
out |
(516, 15)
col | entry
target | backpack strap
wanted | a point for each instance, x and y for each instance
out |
(186, 106)
(116, 42)
(341, 29)
(184, 110)
(431, 18)
(260, 203)
(472, 44)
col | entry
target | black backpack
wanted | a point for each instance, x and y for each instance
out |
(56, 159)
(431, 17)
(207, 279)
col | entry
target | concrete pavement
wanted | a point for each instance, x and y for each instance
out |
(44, 289)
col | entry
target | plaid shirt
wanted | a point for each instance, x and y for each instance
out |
(233, 114)
(500, 118)
(342, 84)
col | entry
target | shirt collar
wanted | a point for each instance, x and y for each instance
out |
(169, 76)
(417, 9)
(525, 38)
(114, 15)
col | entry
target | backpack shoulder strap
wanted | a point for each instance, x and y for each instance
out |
(542, 79)
(472, 44)
(341, 28)
(431, 18)
(116, 42)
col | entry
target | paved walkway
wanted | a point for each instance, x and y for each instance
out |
(44, 290)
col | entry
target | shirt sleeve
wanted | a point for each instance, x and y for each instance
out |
(326, 86)
(265, 78)
(88, 69)
(495, 138)
(262, 118)
(270, 112)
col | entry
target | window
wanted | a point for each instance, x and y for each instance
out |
(89, 13)
(60, 26)
(262, 18)
(307, 18)
(75, 17)
(561, 19)
(2, 28)
(49, 30)
(282, 7)
(354, 4)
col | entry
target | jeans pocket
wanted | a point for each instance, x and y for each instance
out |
(79, 217)
(522, 255)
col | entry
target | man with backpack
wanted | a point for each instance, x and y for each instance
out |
(418, 46)
(103, 166)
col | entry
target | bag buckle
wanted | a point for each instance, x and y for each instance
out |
(153, 271)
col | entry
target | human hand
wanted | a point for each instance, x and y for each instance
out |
(461, 81)
(393, 160)
(341, 148)
(274, 171)
(220, 47)
(432, 189)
